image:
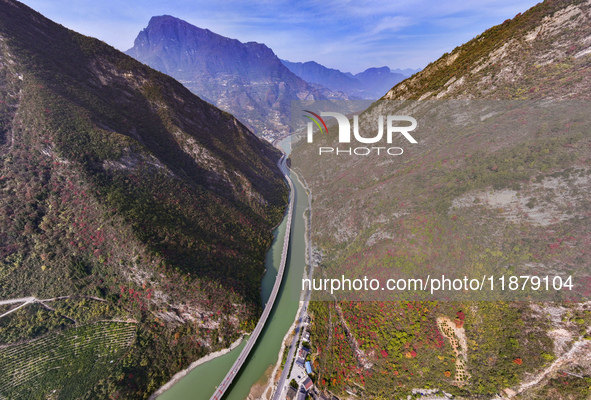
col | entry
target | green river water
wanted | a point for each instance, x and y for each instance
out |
(201, 382)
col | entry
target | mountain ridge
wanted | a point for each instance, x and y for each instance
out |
(369, 84)
(496, 186)
(136, 214)
(475, 66)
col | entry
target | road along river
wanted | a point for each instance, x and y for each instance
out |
(201, 382)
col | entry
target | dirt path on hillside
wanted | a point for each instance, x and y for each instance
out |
(459, 344)
(359, 354)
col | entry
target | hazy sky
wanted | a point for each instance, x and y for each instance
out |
(347, 35)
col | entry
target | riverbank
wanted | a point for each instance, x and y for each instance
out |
(276, 381)
(180, 375)
(200, 383)
(277, 370)
(308, 222)
(270, 388)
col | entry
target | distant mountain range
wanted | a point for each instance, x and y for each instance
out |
(245, 79)
(372, 83)
(406, 71)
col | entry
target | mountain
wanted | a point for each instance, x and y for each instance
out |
(406, 72)
(331, 78)
(375, 79)
(134, 218)
(245, 79)
(495, 187)
(369, 84)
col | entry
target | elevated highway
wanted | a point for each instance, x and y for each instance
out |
(228, 379)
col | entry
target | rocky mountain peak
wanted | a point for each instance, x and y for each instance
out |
(246, 79)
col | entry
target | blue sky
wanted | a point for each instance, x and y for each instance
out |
(347, 35)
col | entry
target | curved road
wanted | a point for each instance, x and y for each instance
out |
(219, 393)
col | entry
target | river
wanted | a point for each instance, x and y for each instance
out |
(201, 382)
